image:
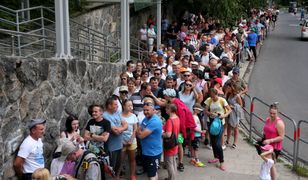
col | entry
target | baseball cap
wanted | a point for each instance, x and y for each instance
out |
(236, 70)
(123, 89)
(176, 63)
(194, 63)
(183, 70)
(169, 92)
(169, 77)
(267, 147)
(218, 80)
(35, 122)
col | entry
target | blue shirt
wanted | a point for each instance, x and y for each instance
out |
(114, 141)
(214, 41)
(252, 39)
(152, 144)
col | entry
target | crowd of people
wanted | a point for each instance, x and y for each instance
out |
(186, 94)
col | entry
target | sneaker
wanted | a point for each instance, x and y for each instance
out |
(209, 147)
(224, 147)
(181, 167)
(199, 164)
(211, 161)
(193, 161)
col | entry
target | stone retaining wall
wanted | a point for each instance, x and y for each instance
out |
(50, 89)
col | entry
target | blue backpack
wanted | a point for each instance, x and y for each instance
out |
(215, 127)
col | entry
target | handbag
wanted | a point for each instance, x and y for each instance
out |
(171, 141)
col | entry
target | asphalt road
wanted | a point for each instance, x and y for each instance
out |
(280, 75)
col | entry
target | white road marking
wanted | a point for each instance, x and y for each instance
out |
(294, 25)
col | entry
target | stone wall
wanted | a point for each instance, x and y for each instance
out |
(49, 89)
(106, 19)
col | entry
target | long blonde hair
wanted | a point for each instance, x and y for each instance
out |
(41, 174)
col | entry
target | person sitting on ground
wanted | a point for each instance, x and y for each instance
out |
(90, 171)
(64, 164)
(41, 174)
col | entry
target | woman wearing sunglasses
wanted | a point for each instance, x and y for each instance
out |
(189, 94)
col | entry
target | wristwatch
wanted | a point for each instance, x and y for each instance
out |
(91, 134)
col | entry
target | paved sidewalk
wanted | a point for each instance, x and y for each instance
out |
(242, 163)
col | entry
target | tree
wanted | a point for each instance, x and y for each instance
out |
(227, 11)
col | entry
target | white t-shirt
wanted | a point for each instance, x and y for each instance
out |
(265, 169)
(32, 151)
(198, 126)
(143, 34)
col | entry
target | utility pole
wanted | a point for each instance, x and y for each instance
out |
(158, 23)
(63, 49)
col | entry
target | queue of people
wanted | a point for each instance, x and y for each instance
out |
(182, 96)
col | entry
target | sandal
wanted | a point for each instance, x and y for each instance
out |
(222, 167)
(233, 146)
(211, 161)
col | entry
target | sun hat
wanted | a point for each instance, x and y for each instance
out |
(267, 147)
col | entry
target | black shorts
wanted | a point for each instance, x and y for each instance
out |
(195, 143)
(150, 164)
(277, 153)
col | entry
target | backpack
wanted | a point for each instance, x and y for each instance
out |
(216, 126)
(89, 158)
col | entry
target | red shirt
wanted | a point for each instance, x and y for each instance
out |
(186, 118)
(175, 129)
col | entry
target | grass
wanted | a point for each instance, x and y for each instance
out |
(301, 170)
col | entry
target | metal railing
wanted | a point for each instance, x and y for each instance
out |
(35, 37)
(299, 141)
(293, 127)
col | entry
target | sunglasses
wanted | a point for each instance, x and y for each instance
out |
(148, 104)
(124, 92)
(186, 75)
(188, 85)
(123, 78)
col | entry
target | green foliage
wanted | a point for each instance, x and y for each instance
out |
(301, 170)
(227, 11)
